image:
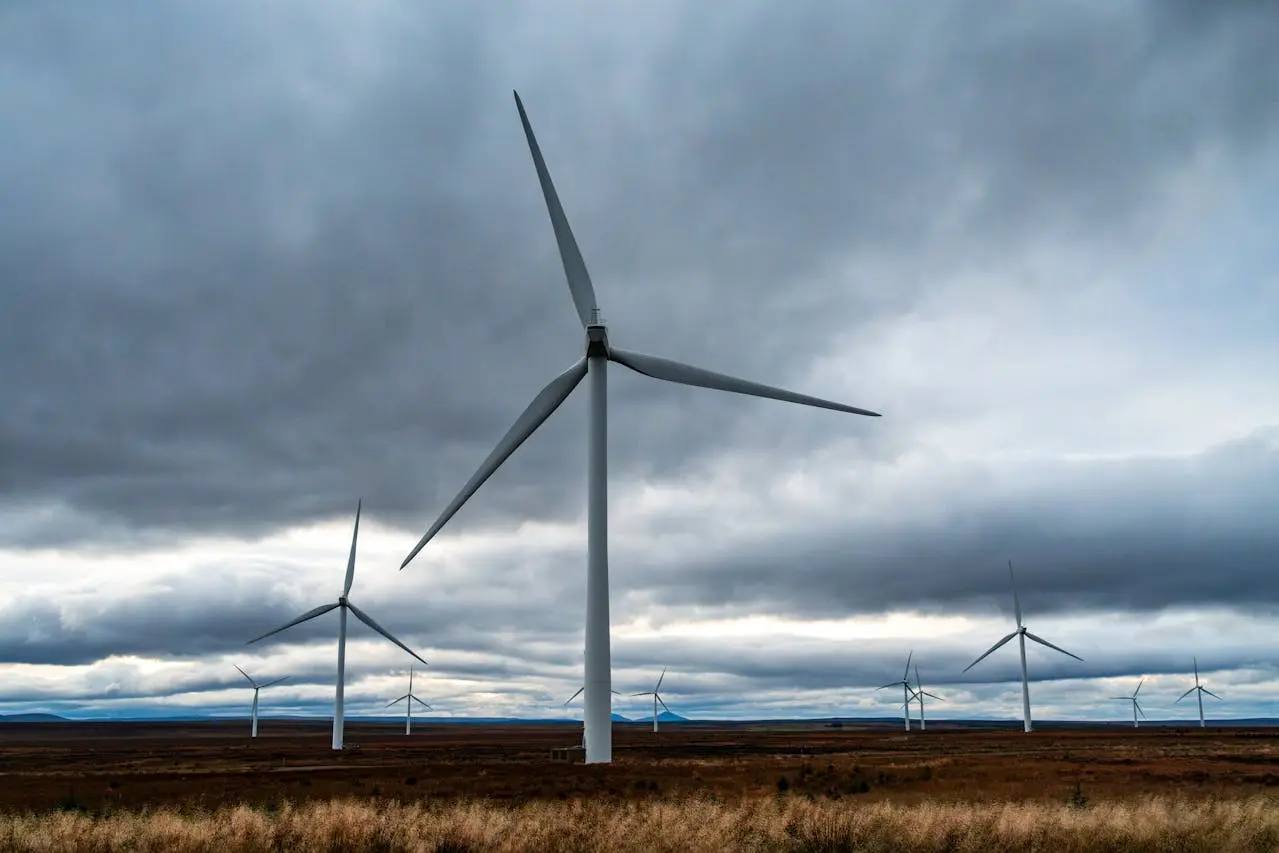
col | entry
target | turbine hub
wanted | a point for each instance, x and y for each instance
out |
(342, 600)
(597, 337)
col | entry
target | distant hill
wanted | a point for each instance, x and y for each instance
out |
(671, 717)
(32, 718)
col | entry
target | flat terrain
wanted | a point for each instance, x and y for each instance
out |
(128, 765)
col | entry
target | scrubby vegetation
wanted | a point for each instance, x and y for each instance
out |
(783, 823)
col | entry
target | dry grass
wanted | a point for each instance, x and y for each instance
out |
(774, 823)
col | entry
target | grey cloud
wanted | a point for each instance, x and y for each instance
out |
(1140, 534)
(250, 276)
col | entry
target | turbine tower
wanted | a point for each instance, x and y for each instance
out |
(579, 693)
(343, 604)
(599, 352)
(1021, 634)
(253, 714)
(656, 697)
(919, 693)
(1136, 706)
(906, 691)
(1199, 690)
(408, 699)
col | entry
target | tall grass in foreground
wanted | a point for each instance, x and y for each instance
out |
(787, 824)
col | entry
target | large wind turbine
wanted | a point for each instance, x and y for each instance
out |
(1199, 690)
(919, 693)
(657, 697)
(906, 691)
(408, 699)
(1136, 706)
(343, 604)
(598, 716)
(253, 715)
(1021, 634)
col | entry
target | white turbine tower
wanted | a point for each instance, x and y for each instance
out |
(598, 715)
(1199, 690)
(408, 699)
(253, 714)
(657, 697)
(1021, 634)
(918, 692)
(1136, 706)
(906, 691)
(343, 604)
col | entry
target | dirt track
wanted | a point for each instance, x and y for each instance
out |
(96, 765)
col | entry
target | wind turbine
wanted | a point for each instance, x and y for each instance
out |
(656, 697)
(598, 715)
(408, 699)
(1199, 690)
(1021, 634)
(343, 604)
(253, 715)
(919, 693)
(1136, 706)
(906, 691)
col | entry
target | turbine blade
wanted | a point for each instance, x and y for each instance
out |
(1184, 695)
(933, 696)
(350, 561)
(685, 374)
(1016, 600)
(1210, 693)
(1138, 690)
(310, 614)
(906, 674)
(579, 280)
(918, 683)
(394, 701)
(1044, 642)
(1139, 711)
(991, 649)
(575, 695)
(277, 681)
(1122, 698)
(1196, 660)
(543, 405)
(246, 675)
(649, 693)
(368, 620)
(662, 702)
(423, 704)
(659, 680)
(886, 686)
(615, 693)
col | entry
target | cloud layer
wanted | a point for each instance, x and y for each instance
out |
(257, 263)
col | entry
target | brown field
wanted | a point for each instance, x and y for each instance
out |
(105, 766)
(693, 787)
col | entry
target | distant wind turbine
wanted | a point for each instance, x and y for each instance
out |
(343, 604)
(253, 715)
(919, 693)
(598, 714)
(1136, 706)
(408, 699)
(656, 697)
(1199, 690)
(906, 690)
(1021, 634)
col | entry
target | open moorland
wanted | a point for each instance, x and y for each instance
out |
(108, 766)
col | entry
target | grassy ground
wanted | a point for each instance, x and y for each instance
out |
(781, 822)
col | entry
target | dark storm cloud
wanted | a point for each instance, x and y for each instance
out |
(1139, 534)
(258, 260)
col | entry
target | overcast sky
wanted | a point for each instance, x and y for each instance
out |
(258, 261)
